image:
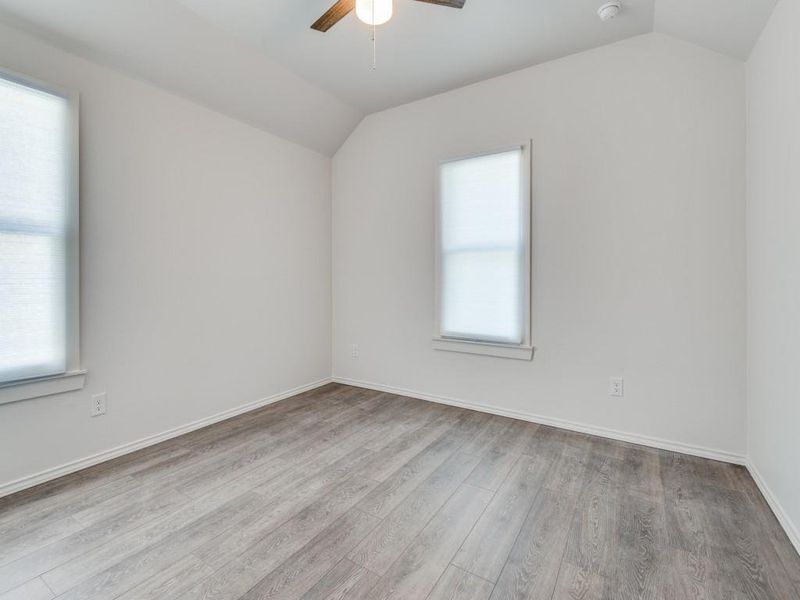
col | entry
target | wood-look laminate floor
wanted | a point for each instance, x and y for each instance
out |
(348, 493)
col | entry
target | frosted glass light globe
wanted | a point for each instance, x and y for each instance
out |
(377, 15)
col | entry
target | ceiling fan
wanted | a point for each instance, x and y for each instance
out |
(372, 12)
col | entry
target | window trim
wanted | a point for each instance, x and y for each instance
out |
(524, 350)
(73, 376)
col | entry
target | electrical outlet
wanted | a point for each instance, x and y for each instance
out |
(616, 387)
(354, 351)
(98, 405)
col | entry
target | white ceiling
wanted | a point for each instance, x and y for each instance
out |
(162, 42)
(259, 61)
(728, 26)
(424, 49)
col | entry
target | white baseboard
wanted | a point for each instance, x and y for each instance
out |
(633, 438)
(76, 465)
(789, 527)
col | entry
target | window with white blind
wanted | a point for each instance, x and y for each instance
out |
(483, 254)
(38, 237)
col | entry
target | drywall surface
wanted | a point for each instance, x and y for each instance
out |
(205, 269)
(638, 251)
(166, 44)
(773, 260)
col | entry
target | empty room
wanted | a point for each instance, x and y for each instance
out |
(399, 299)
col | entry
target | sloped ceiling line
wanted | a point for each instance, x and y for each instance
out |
(258, 60)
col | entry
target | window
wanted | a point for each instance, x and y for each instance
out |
(483, 254)
(38, 235)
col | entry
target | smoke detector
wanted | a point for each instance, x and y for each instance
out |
(609, 10)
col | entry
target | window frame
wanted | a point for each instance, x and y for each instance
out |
(73, 376)
(523, 350)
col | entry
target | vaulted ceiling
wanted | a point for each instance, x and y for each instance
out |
(259, 61)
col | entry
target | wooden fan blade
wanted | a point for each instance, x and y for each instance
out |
(334, 14)
(450, 3)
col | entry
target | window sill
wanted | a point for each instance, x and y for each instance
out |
(484, 348)
(16, 391)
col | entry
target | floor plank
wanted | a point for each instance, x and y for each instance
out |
(486, 549)
(393, 535)
(579, 583)
(306, 567)
(391, 492)
(492, 470)
(346, 581)
(224, 507)
(532, 569)
(594, 531)
(170, 582)
(414, 574)
(250, 564)
(35, 589)
(456, 584)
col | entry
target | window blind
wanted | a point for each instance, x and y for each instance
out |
(34, 194)
(483, 239)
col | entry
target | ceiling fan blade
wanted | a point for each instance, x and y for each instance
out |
(450, 3)
(333, 15)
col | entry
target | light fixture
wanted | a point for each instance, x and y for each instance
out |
(609, 10)
(374, 12)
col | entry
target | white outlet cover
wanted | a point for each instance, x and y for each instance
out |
(616, 387)
(98, 406)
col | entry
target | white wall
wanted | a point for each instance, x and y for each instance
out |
(773, 253)
(639, 249)
(205, 266)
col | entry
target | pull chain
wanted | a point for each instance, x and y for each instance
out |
(374, 49)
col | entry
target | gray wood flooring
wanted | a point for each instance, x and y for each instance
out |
(345, 493)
